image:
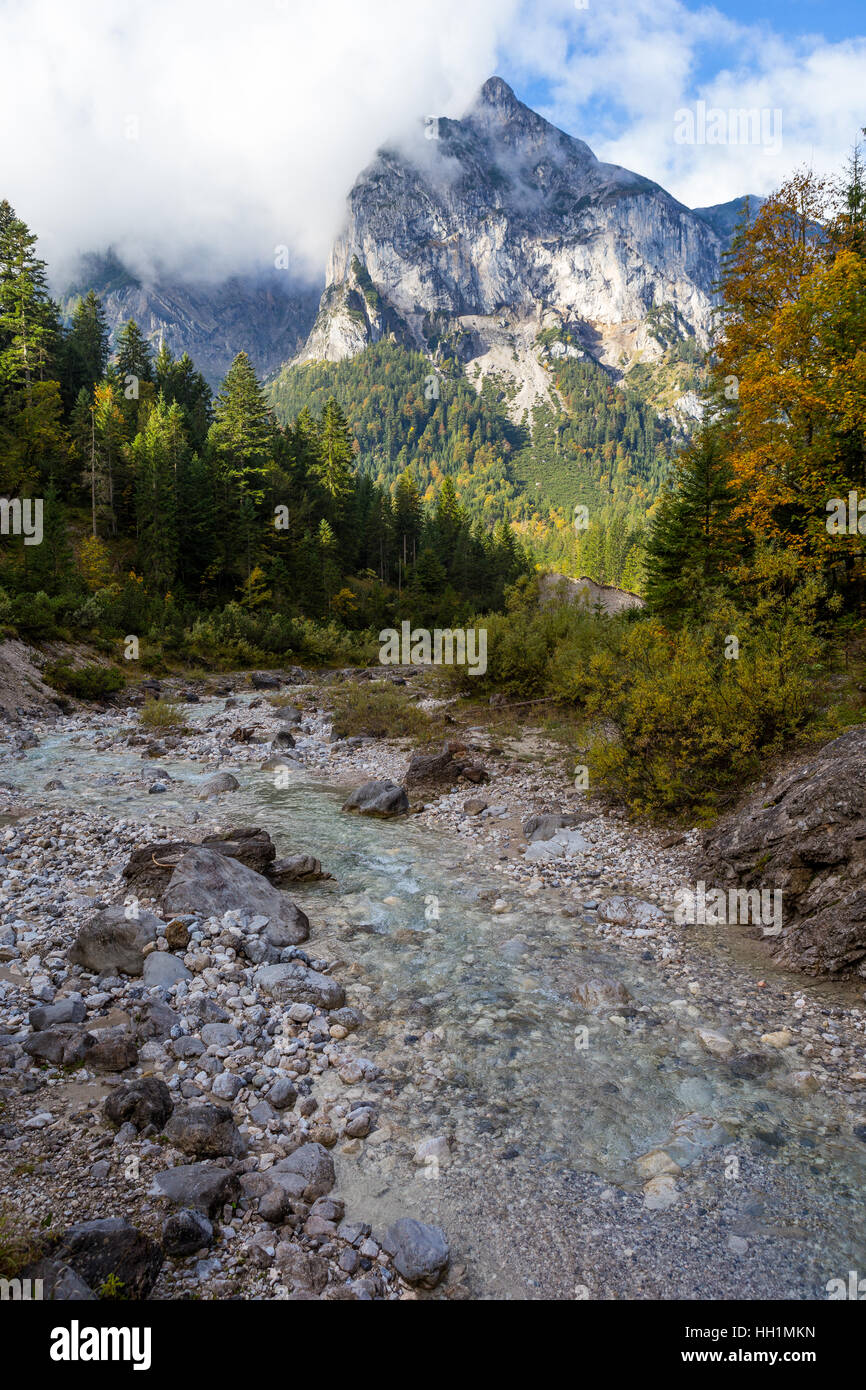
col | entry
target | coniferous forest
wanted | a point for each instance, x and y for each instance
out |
(195, 517)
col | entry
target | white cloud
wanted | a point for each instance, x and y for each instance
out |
(210, 131)
(632, 64)
(205, 133)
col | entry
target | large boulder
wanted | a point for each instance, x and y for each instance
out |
(430, 774)
(68, 1010)
(203, 1186)
(384, 799)
(205, 1131)
(60, 1283)
(544, 827)
(145, 1101)
(115, 1050)
(806, 835)
(313, 1165)
(149, 869)
(114, 941)
(97, 1250)
(215, 785)
(63, 1046)
(297, 868)
(297, 983)
(210, 884)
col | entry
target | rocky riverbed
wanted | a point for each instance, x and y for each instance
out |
(479, 1058)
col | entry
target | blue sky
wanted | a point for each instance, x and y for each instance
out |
(830, 20)
(620, 73)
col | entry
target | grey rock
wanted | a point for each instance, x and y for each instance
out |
(115, 1050)
(162, 970)
(222, 1036)
(64, 1046)
(298, 868)
(205, 1130)
(154, 1019)
(185, 1232)
(215, 785)
(113, 942)
(384, 799)
(295, 981)
(98, 1249)
(545, 827)
(420, 1251)
(805, 835)
(61, 1011)
(226, 1086)
(282, 1094)
(145, 1101)
(314, 1166)
(203, 1186)
(149, 868)
(60, 1283)
(212, 884)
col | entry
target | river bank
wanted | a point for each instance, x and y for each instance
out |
(589, 1099)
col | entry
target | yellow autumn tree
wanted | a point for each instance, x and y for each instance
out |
(791, 370)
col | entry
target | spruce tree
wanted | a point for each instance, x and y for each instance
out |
(335, 455)
(157, 453)
(693, 540)
(28, 316)
(241, 438)
(85, 348)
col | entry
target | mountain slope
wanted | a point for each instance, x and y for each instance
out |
(267, 316)
(502, 231)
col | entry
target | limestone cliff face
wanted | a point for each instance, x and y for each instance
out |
(503, 229)
(268, 317)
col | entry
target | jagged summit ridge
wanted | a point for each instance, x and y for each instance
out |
(504, 227)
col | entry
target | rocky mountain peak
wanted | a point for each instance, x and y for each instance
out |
(510, 239)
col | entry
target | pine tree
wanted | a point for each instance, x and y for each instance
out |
(157, 453)
(28, 316)
(50, 567)
(106, 446)
(408, 517)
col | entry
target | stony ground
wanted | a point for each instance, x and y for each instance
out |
(253, 1196)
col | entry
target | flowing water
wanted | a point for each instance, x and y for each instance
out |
(470, 1016)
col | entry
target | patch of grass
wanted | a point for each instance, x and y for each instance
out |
(161, 714)
(380, 711)
(18, 1245)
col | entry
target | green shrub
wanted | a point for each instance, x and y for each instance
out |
(380, 711)
(83, 682)
(161, 714)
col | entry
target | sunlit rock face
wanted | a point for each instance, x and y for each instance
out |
(498, 228)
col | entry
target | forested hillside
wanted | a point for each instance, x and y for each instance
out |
(594, 446)
(196, 521)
